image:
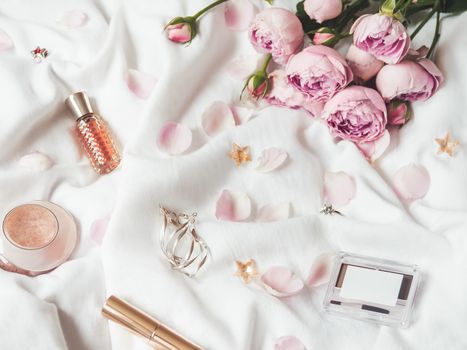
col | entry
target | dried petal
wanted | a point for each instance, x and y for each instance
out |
(411, 182)
(339, 188)
(238, 14)
(233, 206)
(280, 282)
(73, 19)
(374, 149)
(289, 342)
(5, 41)
(141, 84)
(241, 67)
(274, 212)
(217, 118)
(271, 159)
(321, 270)
(174, 138)
(99, 228)
(36, 162)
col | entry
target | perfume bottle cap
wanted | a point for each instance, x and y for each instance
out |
(79, 104)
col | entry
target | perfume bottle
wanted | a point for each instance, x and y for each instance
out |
(93, 134)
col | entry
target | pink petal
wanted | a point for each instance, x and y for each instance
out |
(238, 14)
(321, 270)
(411, 182)
(289, 342)
(5, 41)
(241, 67)
(271, 159)
(99, 228)
(339, 188)
(36, 162)
(233, 206)
(73, 19)
(217, 118)
(375, 149)
(242, 114)
(174, 138)
(280, 282)
(141, 84)
(274, 212)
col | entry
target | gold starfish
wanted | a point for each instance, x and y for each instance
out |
(447, 145)
(240, 154)
(246, 271)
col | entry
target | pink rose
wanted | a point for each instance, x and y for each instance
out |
(179, 33)
(325, 36)
(399, 112)
(382, 36)
(364, 65)
(357, 114)
(409, 80)
(319, 72)
(322, 10)
(276, 31)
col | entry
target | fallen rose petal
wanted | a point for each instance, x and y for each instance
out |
(289, 342)
(238, 14)
(242, 114)
(141, 84)
(241, 67)
(217, 118)
(320, 271)
(99, 229)
(233, 206)
(374, 149)
(271, 159)
(174, 138)
(339, 188)
(280, 282)
(5, 41)
(73, 19)
(274, 212)
(411, 182)
(36, 162)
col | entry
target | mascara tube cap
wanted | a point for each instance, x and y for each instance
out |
(79, 104)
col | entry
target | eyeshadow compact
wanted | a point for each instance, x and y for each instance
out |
(372, 289)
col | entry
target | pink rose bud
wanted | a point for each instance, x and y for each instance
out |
(276, 31)
(364, 65)
(409, 80)
(357, 113)
(399, 112)
(258, 85)
(323, 10)
(325, 36)
(318, 72)
(382, 36)
(181, 30)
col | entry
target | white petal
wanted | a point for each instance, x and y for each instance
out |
(36, 162)
(174, 138)
(241, 67)
(339, 188)
(73, 19)
(411, 182)
(238, 14)
(271, 159)
(320, 271)
(289, 342)
(280, 282)
(274, 212)
(5, 41)
(99, 229)
(233, 206)
(217, 118)
(141, 84)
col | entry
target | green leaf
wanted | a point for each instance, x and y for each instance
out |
(452, 6)
(269, 2)
(388, 7)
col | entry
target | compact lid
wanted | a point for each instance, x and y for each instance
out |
(79, 104)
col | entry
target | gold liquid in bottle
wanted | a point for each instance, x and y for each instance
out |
(93, 134)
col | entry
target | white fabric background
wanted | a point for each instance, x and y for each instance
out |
(61, 310)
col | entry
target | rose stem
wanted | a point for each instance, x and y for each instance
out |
(436, 36)
(207, 8)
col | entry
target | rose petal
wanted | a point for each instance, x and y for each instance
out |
(374, 149)
(242, 114)
(271, 159)
(238, 14)
(141, 84)
(217, 118)
(241, 67)
(73, 19)
(274, 212)
(5, 41)
(36, 162)
(320, 271)
(99, 228)
(233, 206)
(174, 138)
(339, 188)
(289, 342)
(411, 182)
(280, 282)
